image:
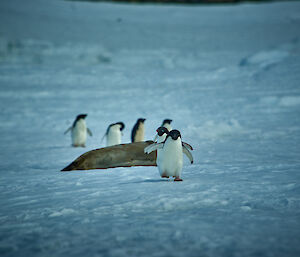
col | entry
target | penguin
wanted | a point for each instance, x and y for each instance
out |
(114, 133)
(138, 131)
(172, 158)
(167, 124)
(79, 131)
(160, 137)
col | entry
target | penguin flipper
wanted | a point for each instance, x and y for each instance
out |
(147, 148)
(89, 132)
(67, 130)
(188, 146)
(186, 151)
(153, 147)
(102, 138)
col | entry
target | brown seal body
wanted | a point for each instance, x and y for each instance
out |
(123, 155)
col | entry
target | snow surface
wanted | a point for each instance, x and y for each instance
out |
(227, 75)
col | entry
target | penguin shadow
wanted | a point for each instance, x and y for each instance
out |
(52, 147)
(150, 181)
(58, 147)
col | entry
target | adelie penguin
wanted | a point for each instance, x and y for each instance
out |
(138, 131)
(79, 131)
(160, 137)
(114, 133)
(167, 124)
(172, 159)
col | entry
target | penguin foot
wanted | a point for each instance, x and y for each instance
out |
(78, 145)
(164, 176)
(178, 179)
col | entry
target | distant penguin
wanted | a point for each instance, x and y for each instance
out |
(172, 160)
(138, 131)
(79, 131)
(167, 124)
(114, 133)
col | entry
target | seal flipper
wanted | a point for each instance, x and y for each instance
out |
(187, 153)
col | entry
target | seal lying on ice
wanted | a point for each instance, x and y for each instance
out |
(123, 155)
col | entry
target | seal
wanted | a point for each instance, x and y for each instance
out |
(123, 155)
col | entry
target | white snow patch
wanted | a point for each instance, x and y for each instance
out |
(63, 212)
(265, 59)
(284, 101)
(213, 130)
(289, 101)
(246, 208)
(44, 52)
(269, 100)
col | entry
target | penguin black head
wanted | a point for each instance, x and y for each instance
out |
(141, 120)
(81, 116)
(167, 121)
(174, 134)
(120, 123)
(162, 130)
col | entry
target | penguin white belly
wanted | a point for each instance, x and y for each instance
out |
(79, 133)
(113, 137)
(172, 161)
(167, 126)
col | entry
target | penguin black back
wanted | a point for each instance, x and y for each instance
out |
(167, 121)
(120, 123)
(136, 128)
